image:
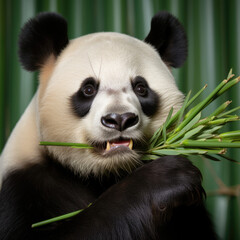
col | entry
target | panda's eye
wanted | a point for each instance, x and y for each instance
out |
(140, 89)
(89, 90)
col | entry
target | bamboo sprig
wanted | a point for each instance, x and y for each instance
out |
(194, 135)
(59, 218)
(56, 219)
(73, 145)
(186, 132)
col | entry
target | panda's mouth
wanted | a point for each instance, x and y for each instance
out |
(111, 145)
(114, 146)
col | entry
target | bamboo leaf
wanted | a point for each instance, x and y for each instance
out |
(200, 106)
(210, 131)
(164, 133)
(165, 152)
(205, 136)
(156, 136)
(56, 219)
(184, 130)
(196, 95)
(188, 104)
(192, 132)
(165, 125)
(183, 108)
(169, 116)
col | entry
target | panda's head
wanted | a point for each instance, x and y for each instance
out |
(108, 90)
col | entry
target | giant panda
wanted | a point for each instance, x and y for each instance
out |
(111, 91)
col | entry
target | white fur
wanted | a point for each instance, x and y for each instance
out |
(114, 59)
(22, 146)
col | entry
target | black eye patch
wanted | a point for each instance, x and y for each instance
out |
(81, 101)
(148, 99)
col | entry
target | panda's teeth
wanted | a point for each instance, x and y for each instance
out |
(108, 147)
(130, 144)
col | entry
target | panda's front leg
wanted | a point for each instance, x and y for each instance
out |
(160, 200)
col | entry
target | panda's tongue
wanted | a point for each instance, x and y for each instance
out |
(116, 144)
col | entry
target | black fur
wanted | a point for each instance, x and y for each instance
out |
(168, 37)
(160, 200)
(80, 101)
(149, 100)
(41, 36)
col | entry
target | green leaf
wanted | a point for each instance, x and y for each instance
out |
(56, 219)
(165, 152)
(205, 136)
(196, 95)
(169, 116)
(155, 137)
(165, 125)
(200, 106)
(192, 132)
(209, 132)
(183, 108)
(184, 130)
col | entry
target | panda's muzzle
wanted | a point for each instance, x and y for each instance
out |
(119, 123)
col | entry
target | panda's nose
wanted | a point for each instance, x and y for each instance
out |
(120, 122)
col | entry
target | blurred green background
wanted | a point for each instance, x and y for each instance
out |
(213, 29)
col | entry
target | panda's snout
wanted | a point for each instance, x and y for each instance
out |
(120, 122)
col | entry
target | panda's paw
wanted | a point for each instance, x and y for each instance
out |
(169, 182)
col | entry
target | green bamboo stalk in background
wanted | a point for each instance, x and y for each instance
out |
(13, 15)
(26, 79)
(2, 72)
(232, 10)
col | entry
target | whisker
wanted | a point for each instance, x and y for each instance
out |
(100, 69)
(92, 66)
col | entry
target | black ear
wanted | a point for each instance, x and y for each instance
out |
(169, 39)
(40, 37)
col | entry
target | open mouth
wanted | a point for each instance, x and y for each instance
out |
(114, 146)
(119, 144)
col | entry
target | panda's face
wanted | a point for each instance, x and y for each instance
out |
(111, 91)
